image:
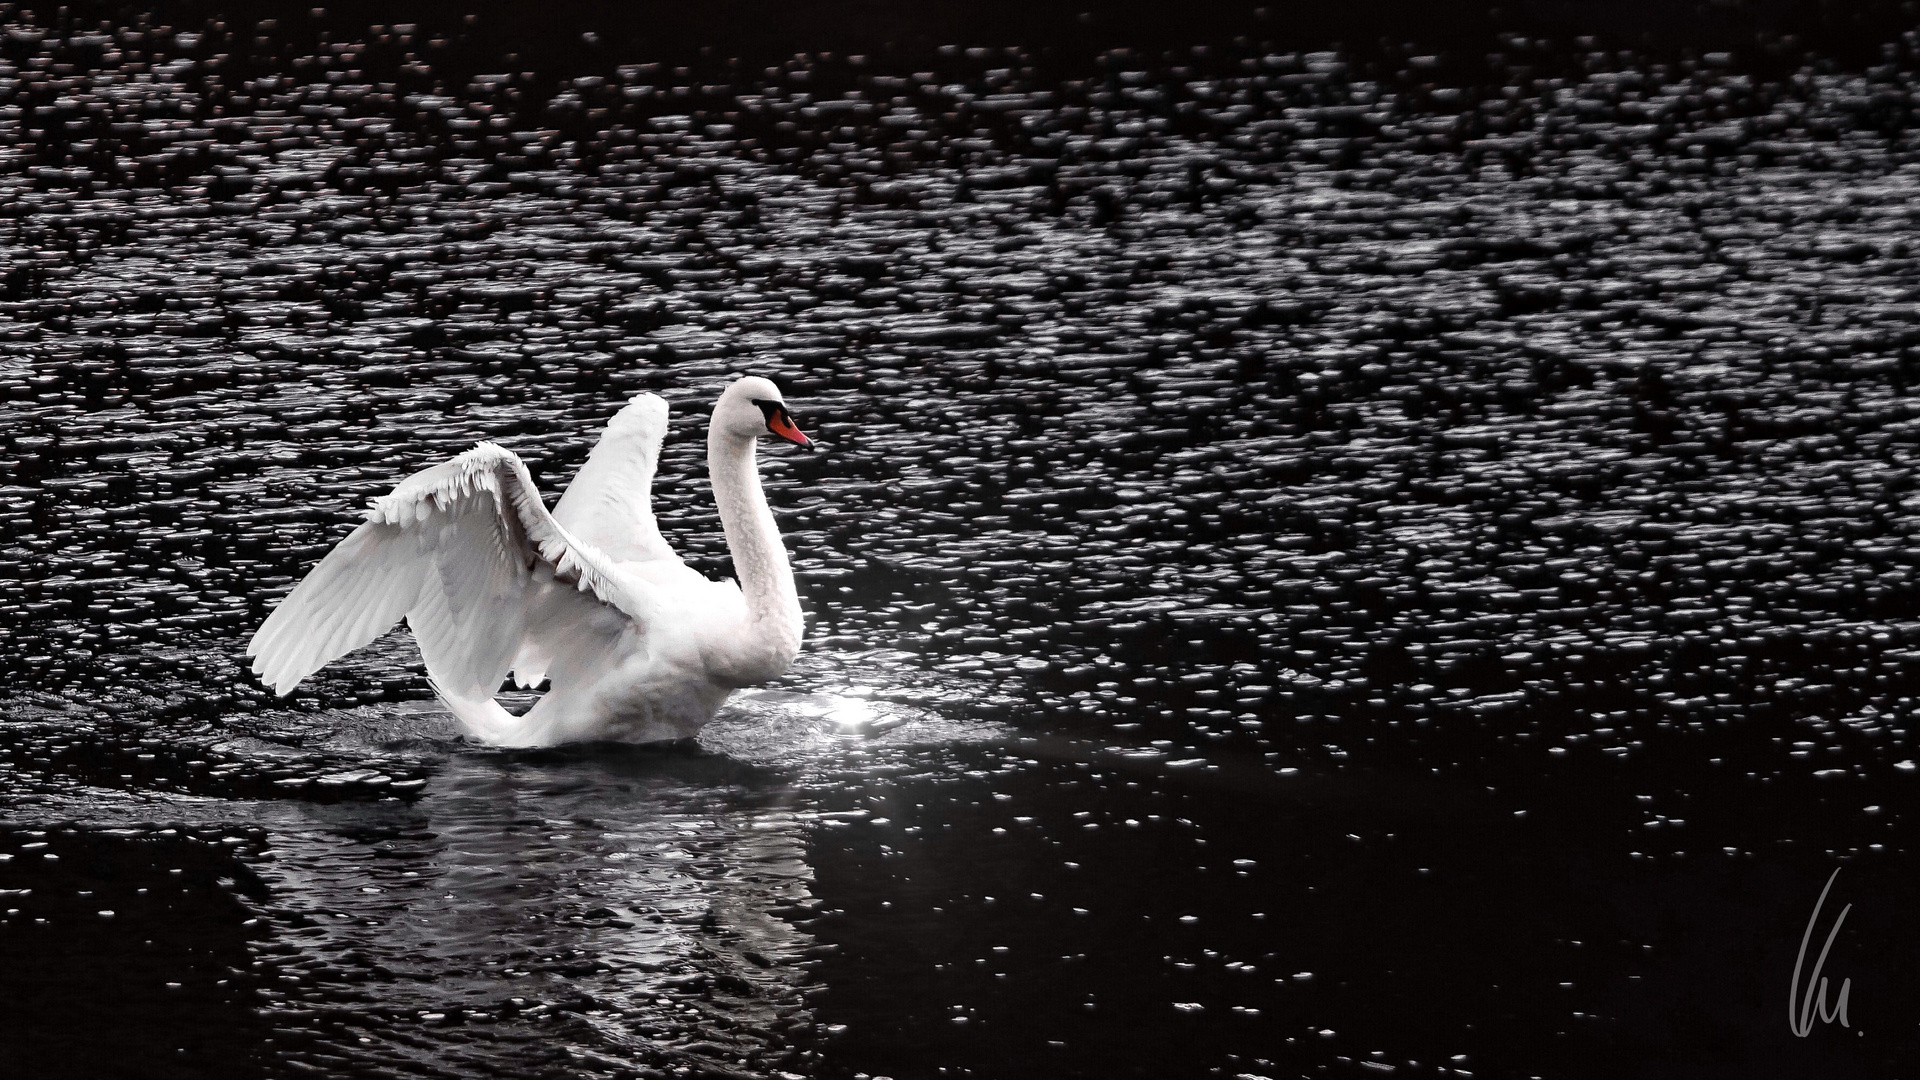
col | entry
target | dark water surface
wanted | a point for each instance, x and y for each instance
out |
(1327, 563)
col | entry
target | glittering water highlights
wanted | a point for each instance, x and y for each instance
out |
(1325, 562)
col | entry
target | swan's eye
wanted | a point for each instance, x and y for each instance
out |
(780, 422)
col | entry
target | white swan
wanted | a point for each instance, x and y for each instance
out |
(638, 646)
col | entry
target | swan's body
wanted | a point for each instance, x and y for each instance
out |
(638, 646)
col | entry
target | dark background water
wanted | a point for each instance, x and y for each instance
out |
(1352, 542)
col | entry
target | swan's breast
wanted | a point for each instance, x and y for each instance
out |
(705, 634)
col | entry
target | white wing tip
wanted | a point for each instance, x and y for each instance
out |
(645, 410)
(269, 671)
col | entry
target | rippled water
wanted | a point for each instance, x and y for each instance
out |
(1324, 564)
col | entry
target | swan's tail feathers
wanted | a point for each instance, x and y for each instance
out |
(484, 718)
(358, 592)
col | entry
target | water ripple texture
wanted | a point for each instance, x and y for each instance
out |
(1323, 560)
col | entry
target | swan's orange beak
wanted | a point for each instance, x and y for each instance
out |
(781, 424)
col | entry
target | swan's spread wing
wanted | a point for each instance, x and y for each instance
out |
(468, 553)
(610, 504)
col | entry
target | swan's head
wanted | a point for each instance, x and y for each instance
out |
(753, 407)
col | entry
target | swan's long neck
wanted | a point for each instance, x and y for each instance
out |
(766, 578)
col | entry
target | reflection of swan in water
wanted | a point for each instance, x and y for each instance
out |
(556, 912)
(604, 907)
(579, 911)
(619, 906)
(638, 646)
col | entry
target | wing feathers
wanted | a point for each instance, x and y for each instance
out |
(609, 505)
(460, 550)
(352, 597)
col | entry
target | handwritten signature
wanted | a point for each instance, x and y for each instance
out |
(1802, 1011)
